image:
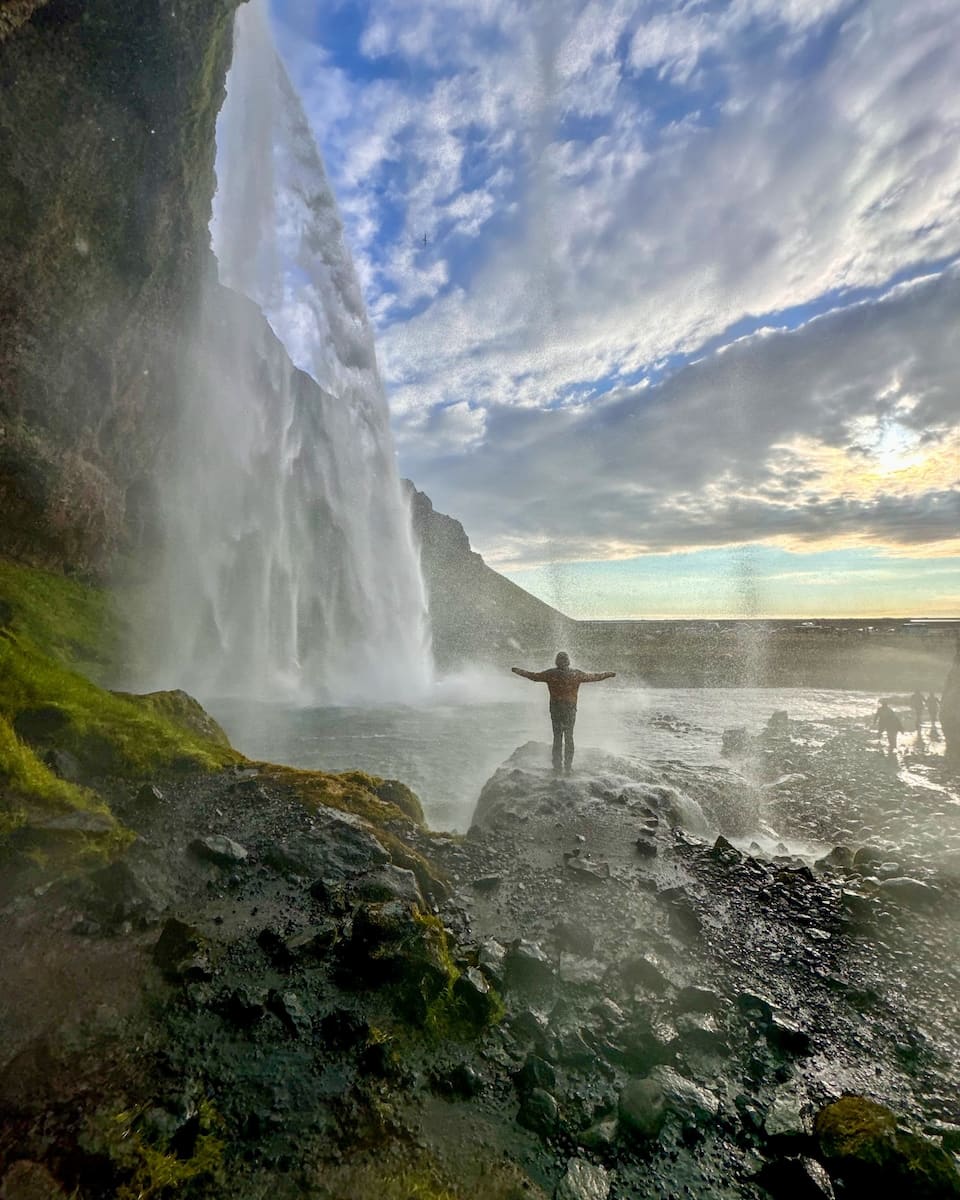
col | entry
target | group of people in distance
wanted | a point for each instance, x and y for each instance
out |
(889, 725)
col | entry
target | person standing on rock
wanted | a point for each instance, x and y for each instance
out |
(887, 722)
(563, 683)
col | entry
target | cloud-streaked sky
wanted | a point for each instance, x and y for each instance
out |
(666, 293)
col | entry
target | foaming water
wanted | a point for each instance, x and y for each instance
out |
(290, 572)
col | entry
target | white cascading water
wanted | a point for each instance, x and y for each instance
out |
(291, 572)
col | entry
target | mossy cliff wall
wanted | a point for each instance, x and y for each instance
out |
(107, 119)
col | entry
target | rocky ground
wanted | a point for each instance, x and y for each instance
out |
(625, 982)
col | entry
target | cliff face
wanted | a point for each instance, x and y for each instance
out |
(474, 612)
(107, 117)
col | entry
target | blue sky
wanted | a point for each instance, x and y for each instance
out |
(665, 291)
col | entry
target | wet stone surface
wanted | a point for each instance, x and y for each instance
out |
(660, 1024)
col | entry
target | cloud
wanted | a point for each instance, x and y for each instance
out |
(609, 191)
(842, 432)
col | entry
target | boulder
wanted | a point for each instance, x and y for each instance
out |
(387, 882)
(583, 1181)
(645, 1104)
(912, 893)
(219, 849)
(863, 1146)
(539, 1112)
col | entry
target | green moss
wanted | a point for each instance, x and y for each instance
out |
(864, 1144)
(416, 1173)
(54, 633)
(152, 1167)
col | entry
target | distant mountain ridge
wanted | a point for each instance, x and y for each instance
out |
(474, 611)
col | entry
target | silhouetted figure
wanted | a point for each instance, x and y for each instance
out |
(933, 708)
(563, 683)
(887, 721)
(916, 703)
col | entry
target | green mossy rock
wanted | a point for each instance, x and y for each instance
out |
(862, 1145)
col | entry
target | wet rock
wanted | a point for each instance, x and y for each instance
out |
(130, 889)
(180, 951)
(867, 857)
(646, 845)
(788, 1116)
(461, 1081)
(583, 1181)
(64, 764)
(313, 942)
(539, 1112)
(840, 858)
(601, 1135)
(786, 1035)
(725, 853)
(219, 849)
(476, 998)
(857, 907)
(387, 883)
(698, 1000)
(573, 1050)
(337, 848)
(911, 893)
(149, 796)
(287, 1007)
(528, 965)
(492, 961)
(755, 1006)
(486, 883)
(796, 1178)
(586, 869)
(395, 946)
(330, 895)
(643, 972)
(701, 1032)
(535, 1073)
(862, 1145)
(529, 1025)
(645, 1104)
(582, 971)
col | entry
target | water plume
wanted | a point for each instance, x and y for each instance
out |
(290, 571)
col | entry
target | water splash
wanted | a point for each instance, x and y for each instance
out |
(290, 569)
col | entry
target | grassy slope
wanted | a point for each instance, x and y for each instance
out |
(54, 635)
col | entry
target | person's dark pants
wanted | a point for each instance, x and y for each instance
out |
(563, 714)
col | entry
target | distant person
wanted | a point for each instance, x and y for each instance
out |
(916, 703)
(933, 708)
(887, 722)
(563, 683)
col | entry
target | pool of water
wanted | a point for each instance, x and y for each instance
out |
(447, 747)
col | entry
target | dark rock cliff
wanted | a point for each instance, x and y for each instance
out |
(107, 117)
(475, 612)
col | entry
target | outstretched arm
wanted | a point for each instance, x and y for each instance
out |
(536, 676)
(587, 678)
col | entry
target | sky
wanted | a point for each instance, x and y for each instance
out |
(665, 292)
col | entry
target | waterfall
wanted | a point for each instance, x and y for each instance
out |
(290, 571)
